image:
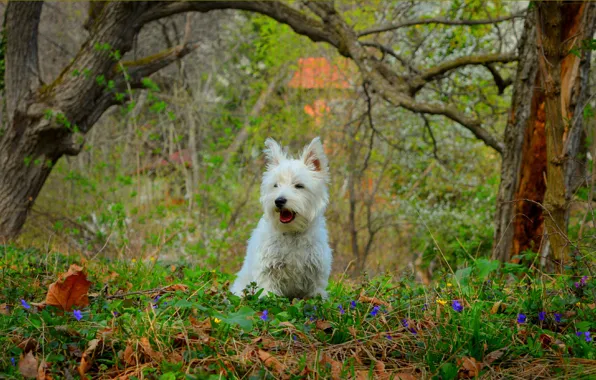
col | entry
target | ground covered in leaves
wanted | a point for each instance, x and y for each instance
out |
(67, 317)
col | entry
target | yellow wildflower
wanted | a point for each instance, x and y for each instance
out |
(152, 258)
(449, 284)
(134, 261)
(216, 320)
(442, 302)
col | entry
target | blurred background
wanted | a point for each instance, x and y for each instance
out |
(175, 174)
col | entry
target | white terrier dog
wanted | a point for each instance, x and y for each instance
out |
(288, 253)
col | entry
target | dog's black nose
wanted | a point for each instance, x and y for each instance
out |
(280, 202)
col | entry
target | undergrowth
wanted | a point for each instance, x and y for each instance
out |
(151, 320)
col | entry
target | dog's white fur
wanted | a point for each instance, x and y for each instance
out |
(292, 259)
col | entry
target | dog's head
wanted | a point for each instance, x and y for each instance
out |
(294, 190)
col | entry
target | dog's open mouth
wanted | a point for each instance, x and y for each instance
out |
(286, 216)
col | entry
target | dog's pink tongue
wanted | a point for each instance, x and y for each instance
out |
(286, 216)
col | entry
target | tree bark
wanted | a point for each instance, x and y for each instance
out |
(521, 125)
(541, 161)
(47, 122)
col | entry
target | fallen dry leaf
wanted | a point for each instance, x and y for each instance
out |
(28, 365)
(271, 362)
(323, 325)
(130, 357)
(175, 287)
(469, 367)
(42, 371)
(380, 372)
(334, 364)
(70, 289)
(374, 300)
(496, 307)
(493, 356)
(85, 365)
(4, 309)
(147, 350)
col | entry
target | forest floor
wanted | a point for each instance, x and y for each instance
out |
(69, 317)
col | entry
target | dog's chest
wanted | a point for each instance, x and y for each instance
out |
(292, 265)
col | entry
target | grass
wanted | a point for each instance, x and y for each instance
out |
(137, 326)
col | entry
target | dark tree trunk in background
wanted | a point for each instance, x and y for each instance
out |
(535, 175)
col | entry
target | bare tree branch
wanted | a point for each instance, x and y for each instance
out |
(298, 21)
(435, 72)
(501, 83)
(442, 21)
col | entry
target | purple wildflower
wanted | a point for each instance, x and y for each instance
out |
(404, 322)
(375, 311)
(13, 362)
(295, 338)
(424, 307)
(77, 314)
(115, 313)
(521, 318)
(457, 306)
(353, 305)
(265, 315)
(583, 280)
(588, 337)
(579, 333)
(577, 285)
(341, 310)
(389, 336)
(542, 316)
(412, 330)
(558, 317)
(25, 304)
(311, 318)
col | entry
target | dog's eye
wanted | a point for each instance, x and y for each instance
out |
(275, 185)
(299, 186)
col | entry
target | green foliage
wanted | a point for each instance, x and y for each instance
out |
(198, 328)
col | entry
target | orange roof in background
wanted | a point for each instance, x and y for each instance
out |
(318, 72)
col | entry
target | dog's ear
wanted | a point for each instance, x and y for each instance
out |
(273, 152)
(314, 156)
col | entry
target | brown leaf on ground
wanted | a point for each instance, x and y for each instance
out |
(28, 365)
(374, 300)
(271, 362)
(334, 364)
(175, 357)
(85, 365)
(493, 356)
(469, 368)
(323, 325)
(175, 287)
(147, 350)
(70, 289)
(496, 307)
(265, 342)
(129, 356)
(380, 372)
(42, 371)
(4, 309)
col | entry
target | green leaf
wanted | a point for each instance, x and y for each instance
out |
(486, 267)
(242, 318)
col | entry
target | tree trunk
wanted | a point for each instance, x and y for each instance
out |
(520, 155)
(541, 161)
(47, 122)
